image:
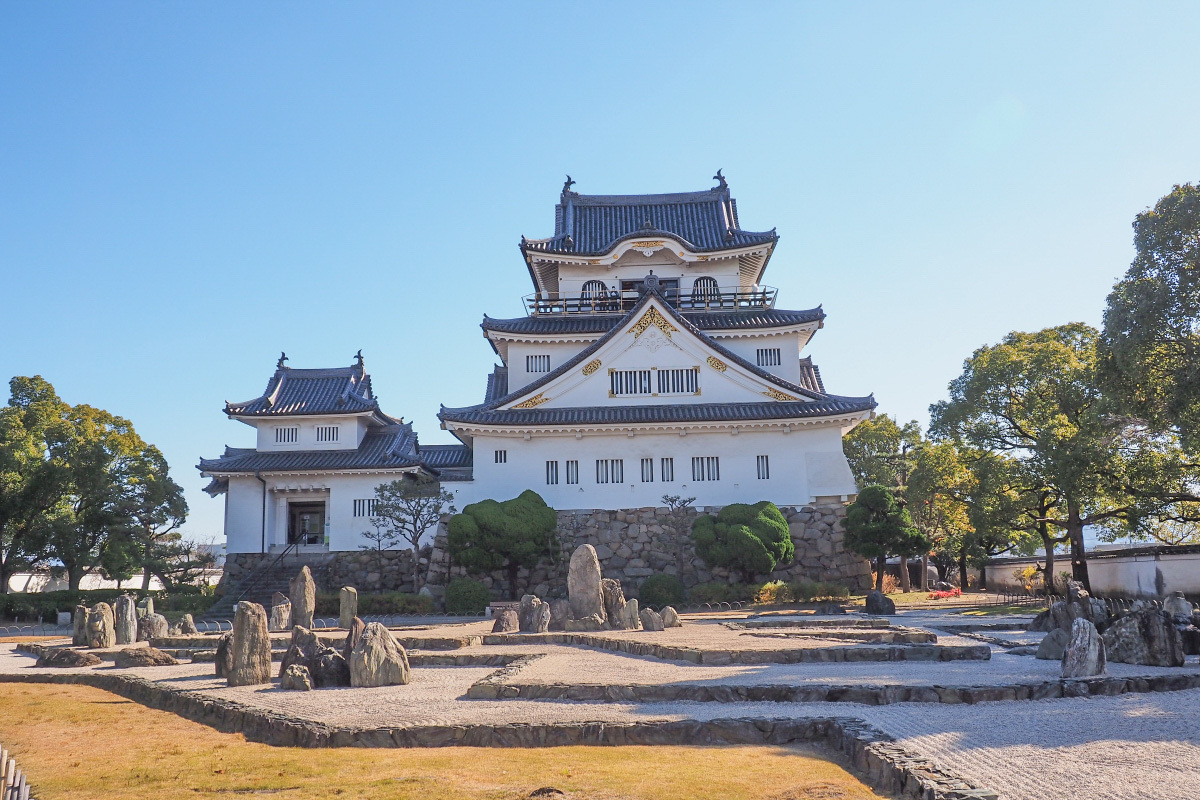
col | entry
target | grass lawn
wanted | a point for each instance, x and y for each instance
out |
(79, 742)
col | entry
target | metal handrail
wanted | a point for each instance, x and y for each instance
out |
(614, 301)
(256, 574)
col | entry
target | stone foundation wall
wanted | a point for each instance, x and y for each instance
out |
(632, 545)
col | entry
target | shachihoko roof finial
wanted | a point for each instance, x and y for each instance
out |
(568, 184)
(282, 358)
(720, 179)
(358, 359)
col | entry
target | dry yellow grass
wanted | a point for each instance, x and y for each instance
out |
(80, 743)
(19, 639)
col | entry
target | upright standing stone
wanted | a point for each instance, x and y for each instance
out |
(614, 602)
(224, 655)
(187, 626)
(125, 620)
(651, 620)
(145, 607)
(79, 627)
(281, 612)
(560, 612)
(1178, 608)
(506, 621)
(100, 631)
(152, 626)
(1084, 656)
(356, 631)
(303, 593)
(583, 584)
(378, 659)
(302, 650)
(250, 648)
(529, 613)
(671, 618)
(628, 617)
(541, 619)
(348, 608)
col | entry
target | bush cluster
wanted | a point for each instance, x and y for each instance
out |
(466, 596)
(46, 605)
(376, 604)
(800, 591)
(661, 590)
(750, 539)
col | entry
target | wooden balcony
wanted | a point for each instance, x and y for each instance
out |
(616, 302)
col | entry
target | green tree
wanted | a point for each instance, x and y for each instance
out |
(405, 510)
(33, 476)
(1034, 398)
(935, 498)
(1150, 345)
(101, 455)
(878, 526)
(490, 535)
(882, 453)
(750, 539)
(156, 509)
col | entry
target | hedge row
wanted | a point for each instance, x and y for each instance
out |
(46, 605)
(329, 604)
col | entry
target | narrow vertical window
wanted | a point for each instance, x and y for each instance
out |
(551, 472)
(678, 381)
(601, 470)
(572, 472)
(364, 508)
(667, 470)
(537, 363)
(618, 470)
(610, 470)
(327, 433)
(629, 381)
(769, 357)
(501, 456)
(764, 468)
(647, 470)
(706, 468)
(287, 435)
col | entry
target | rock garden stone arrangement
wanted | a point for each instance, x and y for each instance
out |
(281, 613)
(507, 621)
(249, 647)
(378, 659)
(67, 658)
(1084, 654)
(1148, 636)
(597, 603)
(879, 604)
(152, 626)
(79, 626)
(348, 606)
(125, 620)
(303, 594)
(100, 631)
(144, 657)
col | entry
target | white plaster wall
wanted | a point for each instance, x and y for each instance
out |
(352, 429)
(803, 464)
(634, 267)
(243, 515)
(559, 352)
(1131, 574)
(789, 352)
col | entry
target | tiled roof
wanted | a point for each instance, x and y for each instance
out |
(810, 375)
(441, 456)
(291, 392)
(390, 447)
(593, 224)
(618, 415)
(824, 404)
(704, 320)
(497, 384)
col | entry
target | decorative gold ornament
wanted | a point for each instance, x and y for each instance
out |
(533, 402)
(652, 317)
(591, 366)
(716, 363)
(648, 244)
(775, 394)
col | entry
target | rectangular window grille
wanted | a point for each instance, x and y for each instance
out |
(629, 381)
(537, 363)
(364, 508)
(647, 470)
(678, 381)
(572, 472)
(551, 472)
(289, 435)
(666, 470)
(610, 470)
(327, 433)
(769, 357)
(706, 468)
(501, 456)
(764, 468)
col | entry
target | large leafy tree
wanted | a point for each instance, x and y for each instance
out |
(750, 539)
(33, 475)
(936, 494)
(405, 510)
(156, 508)
(101, 454)
(881, 452)
(1070, 462)
(1150, 344)
(491, 535)
(878, 526)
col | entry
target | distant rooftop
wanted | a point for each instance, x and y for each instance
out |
(294, 392)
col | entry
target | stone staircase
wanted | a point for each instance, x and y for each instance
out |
(261, 585)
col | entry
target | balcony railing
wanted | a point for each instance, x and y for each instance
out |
(615, 302)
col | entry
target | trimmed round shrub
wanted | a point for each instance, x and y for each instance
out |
(750, 539)
(661, 590)
(466, 596)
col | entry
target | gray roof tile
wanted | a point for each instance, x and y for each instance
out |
(619, 415)
(390, 447)
(294, 392)
(704, 320)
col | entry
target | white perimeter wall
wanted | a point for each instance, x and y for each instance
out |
(1136, 575)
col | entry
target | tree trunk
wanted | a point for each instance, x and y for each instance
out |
(880, 564)
(512, 580)
(1048, 570)
(983, 577)
(74, 577)
(1079, 567)
(4, 577)
(416, 569)
(905, 578)
(962, 571)
(146, 567)
(924, 582)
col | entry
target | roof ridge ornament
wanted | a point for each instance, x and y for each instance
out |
(567, 186)
(282, 358)
(358, 359)
(721, 182)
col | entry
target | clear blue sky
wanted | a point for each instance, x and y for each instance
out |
(186, 189)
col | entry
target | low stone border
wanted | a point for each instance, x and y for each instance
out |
(695, 655)
(812, 622)
(885, 765)
(335, 639)
(891, 636)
